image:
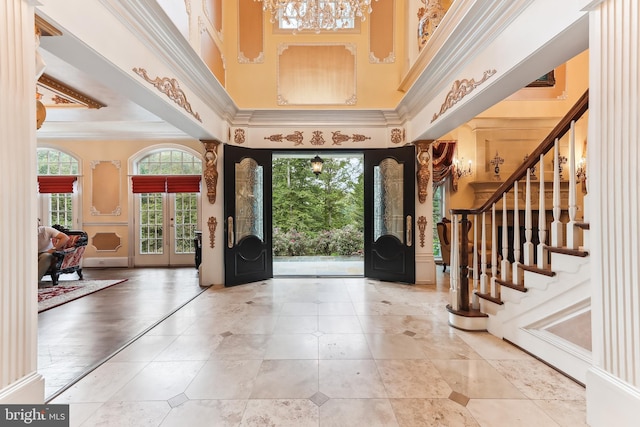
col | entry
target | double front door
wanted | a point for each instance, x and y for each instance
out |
(389, 180)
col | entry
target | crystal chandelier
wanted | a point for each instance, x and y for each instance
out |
(317, 15)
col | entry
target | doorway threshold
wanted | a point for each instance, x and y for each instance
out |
(318, 266)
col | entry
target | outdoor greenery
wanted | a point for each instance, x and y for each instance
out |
(320, 215)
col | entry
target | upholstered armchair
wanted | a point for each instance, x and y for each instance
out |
(444, 234)
(69, 258)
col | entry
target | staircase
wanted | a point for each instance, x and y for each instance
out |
(535, 291)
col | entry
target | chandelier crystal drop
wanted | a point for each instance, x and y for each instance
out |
(317, 15)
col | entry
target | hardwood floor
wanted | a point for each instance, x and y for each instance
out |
(76, 337)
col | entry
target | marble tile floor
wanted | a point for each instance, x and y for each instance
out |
(322, 352)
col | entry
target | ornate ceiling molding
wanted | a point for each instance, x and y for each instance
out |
(67, 93)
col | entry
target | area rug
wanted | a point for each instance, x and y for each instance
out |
(49, 297)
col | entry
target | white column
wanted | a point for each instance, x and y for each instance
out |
(19, 381)
(613, 383)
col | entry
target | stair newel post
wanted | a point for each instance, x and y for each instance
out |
(542, 220)
(495, 290)
(572, 230)
(475, 301)
(556, 226)
(483, 256)
(516, 237)
(455, 253)
(505, 267)
(528, 223)
(464, 263)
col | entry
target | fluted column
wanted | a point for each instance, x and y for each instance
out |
(19, 381)
(613, 384)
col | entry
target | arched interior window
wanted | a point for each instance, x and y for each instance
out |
(56, 194)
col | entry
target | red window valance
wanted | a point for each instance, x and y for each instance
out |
(183, 184)
(55, 184)
(166, 184)
(443, 153)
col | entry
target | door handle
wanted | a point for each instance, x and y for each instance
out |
(230, 241)
(409, 231)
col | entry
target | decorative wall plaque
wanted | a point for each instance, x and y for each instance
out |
(239, 136)
(105, 188)
(397, 135)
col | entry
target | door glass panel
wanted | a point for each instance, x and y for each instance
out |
(249, 199)
(151, 223)
(186, 221)
(388, 200)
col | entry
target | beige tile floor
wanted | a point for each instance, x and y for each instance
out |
(322, 352)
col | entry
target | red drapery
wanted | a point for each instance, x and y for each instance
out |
(166, 184)
(443, 153)
(55, 184)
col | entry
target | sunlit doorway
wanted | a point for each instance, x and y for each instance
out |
(318, 219)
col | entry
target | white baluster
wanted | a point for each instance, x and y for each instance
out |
(528, 223)
(557, 239)
(495, 289)
(504, 266)
(483, 257)
(572, 231)
(542, 218)
(516, 237)
(455, 271)
(475, 302)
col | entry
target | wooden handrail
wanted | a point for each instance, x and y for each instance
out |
(580, 107)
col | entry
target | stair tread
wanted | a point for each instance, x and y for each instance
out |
(535, 269)
(583, 225)
(512, 285)
(567, 251)
(488, 297)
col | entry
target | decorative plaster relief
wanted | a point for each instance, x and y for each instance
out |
(105, 188)
(296, 137)
(397, 135)
(211, 168)
(459, 90)
(169, 87)
(106, 242)
(338, 138)
(422, 226)
(239, 136)
(317, 138)
(423, 174)
(213, 224)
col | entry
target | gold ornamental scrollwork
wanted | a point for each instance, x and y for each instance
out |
(424, 174)
(296, 137)
(213, 224)
(317, 138)
(211, 168)
(239, 136)
(397, 135)
(459, 90)
(338, 137)
(169, 87)
(422, 226)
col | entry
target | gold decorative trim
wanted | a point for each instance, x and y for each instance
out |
(459, 90)
(422, 226)
(46, 29)
(169, 87)
(338, 138)
(239, 136)
(211, 168)
(424, 174)
(317, 138)
(67, 92)
(397, 135)
(296, 137)
(213, 224)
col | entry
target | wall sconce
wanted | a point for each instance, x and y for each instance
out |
(496, 162)
(458, 172)
(316, 165)
(581, 174)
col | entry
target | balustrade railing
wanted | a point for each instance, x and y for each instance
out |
(530, 254)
